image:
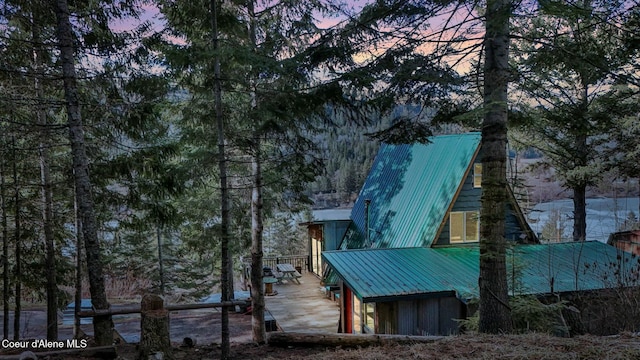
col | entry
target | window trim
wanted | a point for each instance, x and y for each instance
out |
(477, 175)
(369, 318)
(357, 315)
(465, 215)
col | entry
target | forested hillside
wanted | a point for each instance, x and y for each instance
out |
(347, 153)
(348, 150)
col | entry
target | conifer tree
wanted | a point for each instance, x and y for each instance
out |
(267, 85)
(495, 314)
(103, 326)
(27, 86)
(570, 66)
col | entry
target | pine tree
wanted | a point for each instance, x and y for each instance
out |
(28, 87)
(102, 325)
(569, 69)
(495, 314)
(267, 81)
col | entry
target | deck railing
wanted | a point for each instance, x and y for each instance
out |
(300, 262)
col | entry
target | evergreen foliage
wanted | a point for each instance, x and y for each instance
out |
(569, 59)
(304, 108)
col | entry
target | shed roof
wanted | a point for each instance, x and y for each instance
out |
(421, 272)
(410, 188)
(327, 215)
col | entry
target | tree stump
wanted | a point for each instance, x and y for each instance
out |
(154, 328)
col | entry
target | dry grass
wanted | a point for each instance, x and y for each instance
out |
(493, 347)
(471, 347)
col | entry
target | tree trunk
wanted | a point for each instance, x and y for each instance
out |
(581, 159)
(495, 314)
(224, 189)
(257, 226)
(5, 252)
(50, 260)
(77, 306)
(103, 326)
(160, 258)
(579, 213)
(580, 190)
(257, 287)
(45, 183)
(17, 274)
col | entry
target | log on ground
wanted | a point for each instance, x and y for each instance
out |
(343, 340)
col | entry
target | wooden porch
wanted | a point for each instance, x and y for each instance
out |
(304, 306)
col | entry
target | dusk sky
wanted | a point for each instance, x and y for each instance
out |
(151, 13)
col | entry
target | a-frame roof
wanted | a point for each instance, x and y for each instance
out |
(410, 188)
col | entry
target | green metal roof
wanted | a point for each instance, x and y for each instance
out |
(386, 274)
(410, 188)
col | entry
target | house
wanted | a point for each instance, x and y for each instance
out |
(628, 241)
(421, 195)
(325, 230)
(409, 260)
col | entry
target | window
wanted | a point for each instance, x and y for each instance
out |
(317, 246)
(370, 317)
(477, 175)
(464, 226)
(357, 315)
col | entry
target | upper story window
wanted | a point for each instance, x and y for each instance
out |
(464, 226)
(477, 175)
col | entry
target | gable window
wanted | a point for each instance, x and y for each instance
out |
(477, 175)
(464, 226)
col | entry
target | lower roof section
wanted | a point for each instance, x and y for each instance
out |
(376, 275)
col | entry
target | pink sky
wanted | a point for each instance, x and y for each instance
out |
(150, 12)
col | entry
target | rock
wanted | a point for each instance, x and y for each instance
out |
(156, 356)
(188, 342)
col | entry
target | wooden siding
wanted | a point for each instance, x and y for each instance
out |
(333, 233)
(450, 310)
(329, 233)
(513, 230)
(433, 316)
(428, 317)
(628, 241)
(469, 199)
(407, 317)
(386, 317)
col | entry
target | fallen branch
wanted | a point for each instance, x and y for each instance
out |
(343, 340)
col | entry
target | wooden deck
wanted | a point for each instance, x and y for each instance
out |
(303, 307)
